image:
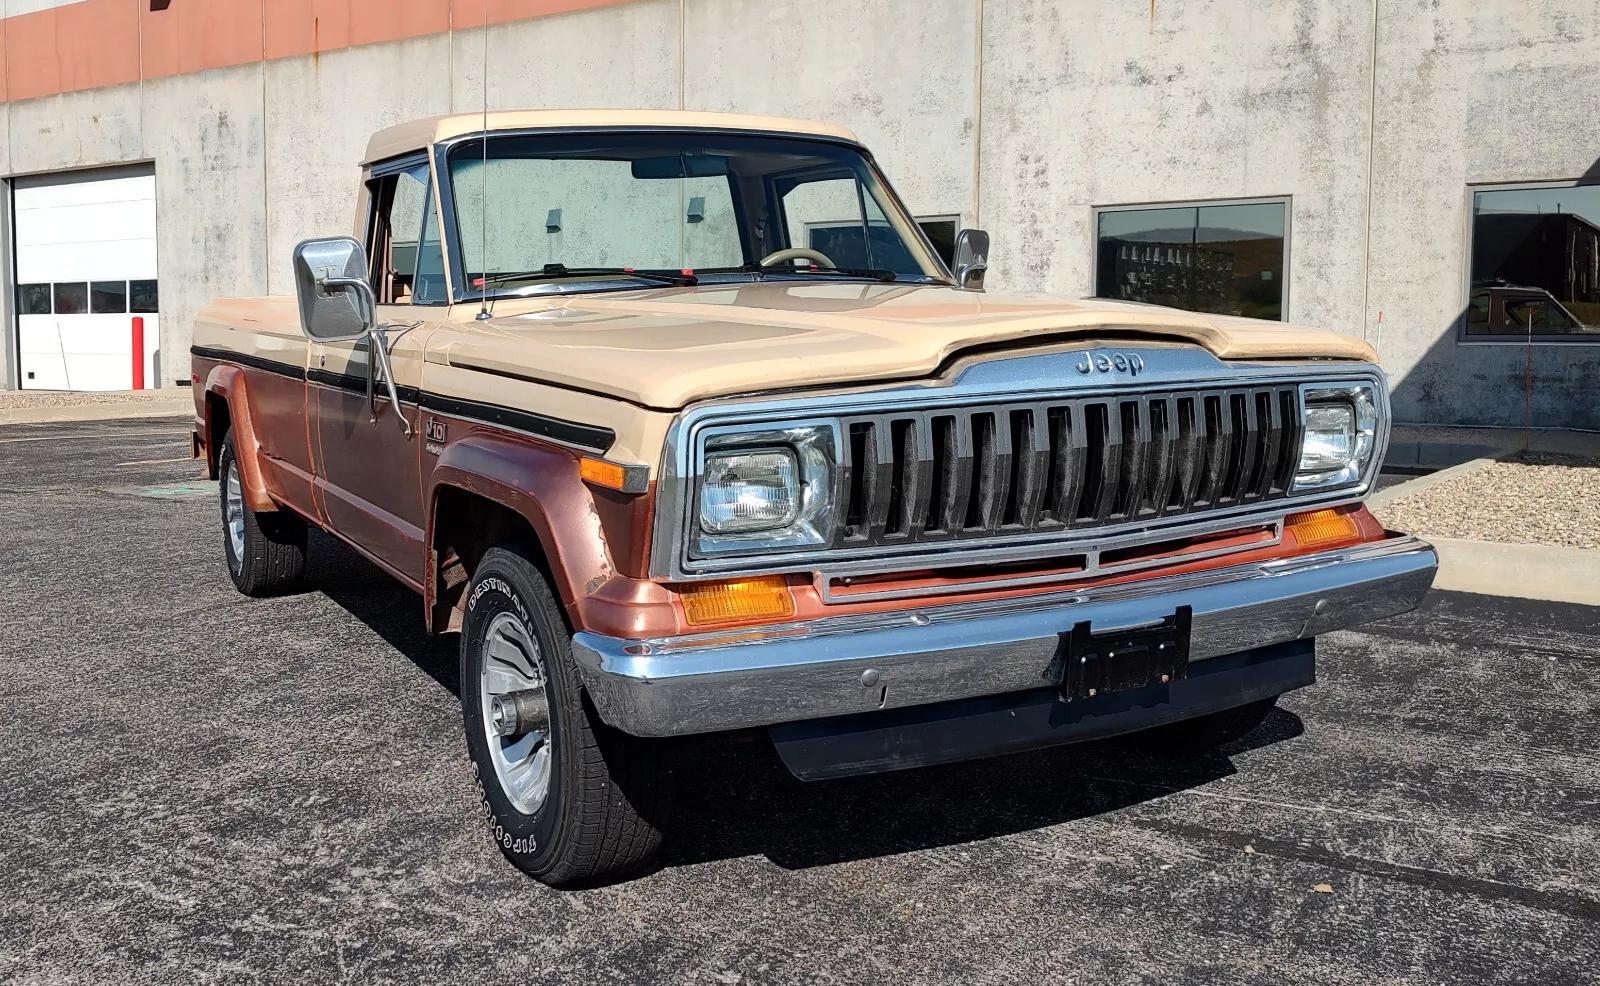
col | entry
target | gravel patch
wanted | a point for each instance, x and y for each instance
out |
(1542, 499)
(15, 399)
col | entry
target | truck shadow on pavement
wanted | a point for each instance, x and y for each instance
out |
(736, 798)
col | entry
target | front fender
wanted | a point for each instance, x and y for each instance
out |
(541, 484)
(228, 383)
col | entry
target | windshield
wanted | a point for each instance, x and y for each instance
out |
(568, 212)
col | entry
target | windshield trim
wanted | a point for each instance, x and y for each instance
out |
(462, 292)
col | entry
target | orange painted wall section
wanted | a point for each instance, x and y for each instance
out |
(95, 43)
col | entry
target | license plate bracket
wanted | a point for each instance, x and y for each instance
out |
(1126, 659)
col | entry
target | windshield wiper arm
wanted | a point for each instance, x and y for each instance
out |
(886, 276)
(551, 271)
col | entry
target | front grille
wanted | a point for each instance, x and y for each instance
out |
(991, 470)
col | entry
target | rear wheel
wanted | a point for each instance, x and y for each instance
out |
(570, 800)
(265, 551)
(1206, 732)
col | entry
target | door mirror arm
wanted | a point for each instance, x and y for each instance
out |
(378, 360)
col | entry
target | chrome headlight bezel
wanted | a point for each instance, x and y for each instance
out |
(813, 445)
(1365, 406)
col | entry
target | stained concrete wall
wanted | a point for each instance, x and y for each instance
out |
(1020, 115)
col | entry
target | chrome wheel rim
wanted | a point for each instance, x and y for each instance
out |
(233, 515)
(511, 664)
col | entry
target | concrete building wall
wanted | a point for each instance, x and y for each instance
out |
(1019, 115)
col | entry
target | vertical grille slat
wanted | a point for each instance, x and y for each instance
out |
(1163, 450)
(1190, 452)
(1069, 455)
(972, 472)
(1289, 403)
(955, 438)
(1219, 449)
(1105, 421)
(1270, 416)
(878, 464)
(1030, 450)
(1135, 416)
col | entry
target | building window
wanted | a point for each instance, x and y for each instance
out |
(1226, 258)
(108, 297)
(72, 298)
(143, 298)
(941, 232)
(1535, 264)
(33, 299)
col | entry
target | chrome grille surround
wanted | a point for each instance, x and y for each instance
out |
(1185, 473)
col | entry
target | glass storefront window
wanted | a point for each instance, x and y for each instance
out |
(1226, 258)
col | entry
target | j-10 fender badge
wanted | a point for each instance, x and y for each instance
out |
(1129, 363)
(436, 435)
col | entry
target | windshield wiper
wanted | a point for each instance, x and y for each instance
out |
(886, 276)
(552, 271)
(760, 271)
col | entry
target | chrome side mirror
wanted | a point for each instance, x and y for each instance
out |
(336, 299)
(971, 259)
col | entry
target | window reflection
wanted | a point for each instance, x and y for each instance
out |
(1535, 262)
(1223, 259)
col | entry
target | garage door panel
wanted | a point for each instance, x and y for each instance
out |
(79, 230)
(118, 261)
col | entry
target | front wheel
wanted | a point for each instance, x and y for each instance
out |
(570, 800)
(266, 551)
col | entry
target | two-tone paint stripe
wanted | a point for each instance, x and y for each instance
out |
(586, 437)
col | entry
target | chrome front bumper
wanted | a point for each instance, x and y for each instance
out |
(705, 682)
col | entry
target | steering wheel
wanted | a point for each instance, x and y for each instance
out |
(798, 253)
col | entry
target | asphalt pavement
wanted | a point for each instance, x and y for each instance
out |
(195, 786)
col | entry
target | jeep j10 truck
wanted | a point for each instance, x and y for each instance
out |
(682, 424)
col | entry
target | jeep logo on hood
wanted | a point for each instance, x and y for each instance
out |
(1129, 363)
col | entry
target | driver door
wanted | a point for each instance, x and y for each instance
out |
(369, 454)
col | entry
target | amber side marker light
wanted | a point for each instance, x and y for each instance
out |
(1324, 528)
(614, 475)
(729, 602)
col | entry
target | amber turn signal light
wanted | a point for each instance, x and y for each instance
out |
(613, 475)
(730, 602)
(1324, 528)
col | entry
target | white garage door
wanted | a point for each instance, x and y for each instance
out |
(87, 282)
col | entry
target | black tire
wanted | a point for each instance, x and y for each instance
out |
(272, 554)
(1206, 732)
(608, 793)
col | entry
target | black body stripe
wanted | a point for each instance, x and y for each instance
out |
(566, 432)
(540, 425)
(254, 362)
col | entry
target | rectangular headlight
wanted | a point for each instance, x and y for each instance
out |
(749, 491)
(763, 489)
(1341, 437)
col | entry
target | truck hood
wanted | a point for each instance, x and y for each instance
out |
(663, 349)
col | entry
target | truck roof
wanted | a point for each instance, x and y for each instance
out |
(418, 134)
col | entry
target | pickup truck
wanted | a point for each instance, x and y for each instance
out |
(680, 422)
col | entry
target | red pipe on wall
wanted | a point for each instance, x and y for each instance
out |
(138, 353)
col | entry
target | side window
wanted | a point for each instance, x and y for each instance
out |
(403, 240)
(837, 218)
(826, 216)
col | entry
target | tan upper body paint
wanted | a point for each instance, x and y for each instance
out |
(629, 360)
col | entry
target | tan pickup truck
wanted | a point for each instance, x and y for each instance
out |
(680, 422)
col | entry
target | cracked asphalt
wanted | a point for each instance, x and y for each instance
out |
(195, 786)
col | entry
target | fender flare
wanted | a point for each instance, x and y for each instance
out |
(228, 382)
(541, 484)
